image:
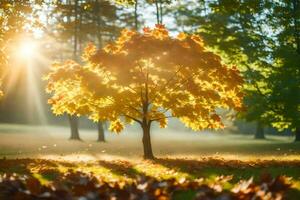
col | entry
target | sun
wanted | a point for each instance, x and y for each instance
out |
(27, 49)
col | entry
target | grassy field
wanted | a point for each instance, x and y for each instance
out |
(45, 153)
(40, 142)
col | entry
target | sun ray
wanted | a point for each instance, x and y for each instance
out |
(27, 64)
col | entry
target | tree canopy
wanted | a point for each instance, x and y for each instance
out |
(147, 77)
(261, 38)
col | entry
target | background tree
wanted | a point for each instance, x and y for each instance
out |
(103, 16)
(68, 18)
(159, 9)
(80, 22)
(263, 37)
(135, 4)
(146, 78)
(284, 19)
(141, 4)
(237, 32)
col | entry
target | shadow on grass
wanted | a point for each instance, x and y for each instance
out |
(13, 166)
(46, 169)
(206, 167)
(121, 168)
(253, 147)
(210, 167)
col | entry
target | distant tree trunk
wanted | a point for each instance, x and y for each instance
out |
(98, 23)
(101, 136)
(136, 15)
(74, 127)
(157, 12)
(79, 31)
(259, 134)
(148, 154)
(73, 119)
(161, 11)
(75, 47)
(297, 138)
(296, 10)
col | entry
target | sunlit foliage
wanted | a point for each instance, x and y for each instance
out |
(145, 78)
(16, 19)
(262, 39)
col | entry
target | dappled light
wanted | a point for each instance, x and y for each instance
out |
(122, 179)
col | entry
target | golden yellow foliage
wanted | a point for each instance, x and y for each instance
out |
(147, 77)
(116, 126)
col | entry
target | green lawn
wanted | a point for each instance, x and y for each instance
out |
(46, 154)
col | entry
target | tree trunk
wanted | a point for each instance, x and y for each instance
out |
(259, 134)
(136, 15)
(296, 9)
(157, 12)
(148, 154)
(297, 138)
(161, 11)
(75, 48)
(74, 128)
(101, 136)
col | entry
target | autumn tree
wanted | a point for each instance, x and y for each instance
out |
(67, 17)
(144, 78)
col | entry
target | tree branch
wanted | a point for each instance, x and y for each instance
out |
(156, 119)
(167, 83)
(134, 119)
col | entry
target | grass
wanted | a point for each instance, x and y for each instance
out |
(208, 169)
(46, 154)
(52, 142)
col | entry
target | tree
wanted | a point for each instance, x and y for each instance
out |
(101, 135)
(284, 19)
(135, 4)
(267, 33)
(159, 9)
(237, 32)
(146, 78)
(68, 15)
(79, 22)
(102, 13)
(76, 39)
